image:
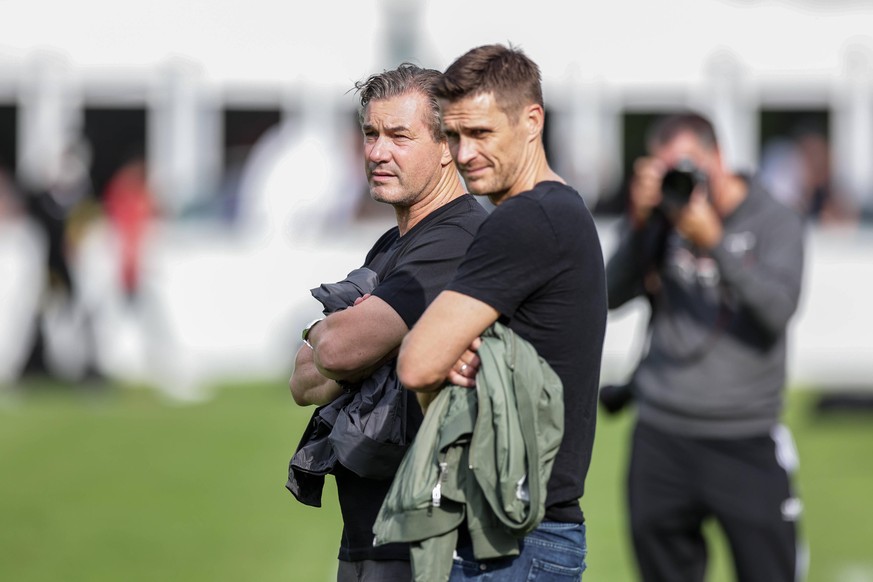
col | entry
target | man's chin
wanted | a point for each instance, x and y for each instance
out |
(478, 188)
(393, 198)
(381, 194)
(475, 185)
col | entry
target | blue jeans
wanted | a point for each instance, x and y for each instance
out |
(553, 552)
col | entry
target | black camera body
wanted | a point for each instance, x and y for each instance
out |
(678, 184)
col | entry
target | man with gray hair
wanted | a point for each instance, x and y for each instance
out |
(409, 166)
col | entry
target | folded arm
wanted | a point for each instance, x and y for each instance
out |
(770, 288)
(347, 346)
(307, 384)
(432, 350)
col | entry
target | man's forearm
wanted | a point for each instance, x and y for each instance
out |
(624, 270)
(353, 375)
(770, 291)
(351, 344)
(443, 333)
(307, 385)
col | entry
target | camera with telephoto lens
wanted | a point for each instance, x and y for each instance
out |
(678, 184)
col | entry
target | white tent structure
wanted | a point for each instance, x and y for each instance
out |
(183, 61)
(221, 303)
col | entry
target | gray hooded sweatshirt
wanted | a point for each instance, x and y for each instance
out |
(715, 364)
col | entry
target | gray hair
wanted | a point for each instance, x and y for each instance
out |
(406, 78)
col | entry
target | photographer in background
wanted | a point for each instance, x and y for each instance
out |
(721, 263)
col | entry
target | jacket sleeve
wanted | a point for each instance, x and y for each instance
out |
(638, 251)
(769, 287)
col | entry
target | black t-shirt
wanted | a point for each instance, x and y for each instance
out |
(537, 260)
(413, 270)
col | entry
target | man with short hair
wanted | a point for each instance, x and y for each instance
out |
(721, 264)
(408, 166)
(535, 265)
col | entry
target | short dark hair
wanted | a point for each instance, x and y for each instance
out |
(406, 78)
(667, 127)
(507, 72)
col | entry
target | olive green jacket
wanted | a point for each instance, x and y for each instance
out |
(483, 455)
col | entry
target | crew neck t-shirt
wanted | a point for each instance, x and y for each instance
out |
(413, 269)
(537, 260)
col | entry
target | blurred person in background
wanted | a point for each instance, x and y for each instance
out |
(129, 206)
(535, 265)
(824, 201)
(720, 263)
(409, 167)
(796, 169)
(63, 206)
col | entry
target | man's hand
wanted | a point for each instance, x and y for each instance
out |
(463, 372)
(439, 343)
(645, 188)
(699, 222)
(361, 298)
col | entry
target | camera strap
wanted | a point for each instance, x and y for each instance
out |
(722, 319)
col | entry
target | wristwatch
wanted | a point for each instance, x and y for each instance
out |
(307, 329)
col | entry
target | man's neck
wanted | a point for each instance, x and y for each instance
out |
(449, 188)
(535, 171)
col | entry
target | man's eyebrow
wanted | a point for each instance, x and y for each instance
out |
(387, 129)
(397, 128)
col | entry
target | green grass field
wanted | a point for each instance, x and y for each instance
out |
(118, 485)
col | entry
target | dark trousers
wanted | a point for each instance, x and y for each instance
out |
(675, 483)
(374, 571)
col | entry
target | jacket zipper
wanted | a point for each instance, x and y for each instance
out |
(436, 495)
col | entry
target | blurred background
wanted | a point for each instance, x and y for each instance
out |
(176, 176)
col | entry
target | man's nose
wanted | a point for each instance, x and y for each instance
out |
(378, 151)
(465, 151)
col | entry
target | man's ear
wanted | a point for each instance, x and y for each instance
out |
(446, 156)
(534, 118)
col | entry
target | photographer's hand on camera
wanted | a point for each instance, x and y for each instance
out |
(695, 219)
(645, 189)
(699, 222)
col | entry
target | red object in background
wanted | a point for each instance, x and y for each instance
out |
(129, 205)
